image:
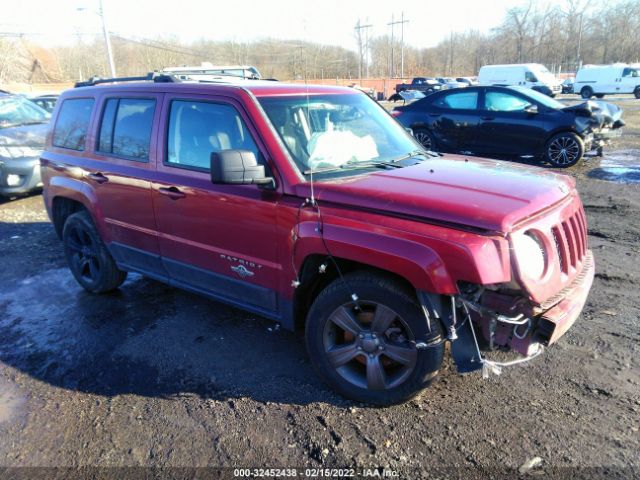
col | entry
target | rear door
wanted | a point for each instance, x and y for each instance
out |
(453, 118)
(506, 128)
(123, 161)
(218, 240)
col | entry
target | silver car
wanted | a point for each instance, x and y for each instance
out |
(23, 129)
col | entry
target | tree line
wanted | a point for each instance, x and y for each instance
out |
(562, 36)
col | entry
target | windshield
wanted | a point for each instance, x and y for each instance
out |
(335, 131)
(540, 97)
(15, 111)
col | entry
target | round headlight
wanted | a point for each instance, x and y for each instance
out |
(531, 255)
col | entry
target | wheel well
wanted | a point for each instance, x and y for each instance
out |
(61, 209)
(562, 130)
(312, 281)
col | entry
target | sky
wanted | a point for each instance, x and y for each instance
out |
(325, 21)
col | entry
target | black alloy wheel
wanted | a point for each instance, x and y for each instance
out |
(564, 150)
(425, 138)
(88, 258)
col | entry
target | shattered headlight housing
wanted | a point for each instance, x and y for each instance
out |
(531, 254)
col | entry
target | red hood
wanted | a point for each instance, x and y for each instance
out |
(487, 194)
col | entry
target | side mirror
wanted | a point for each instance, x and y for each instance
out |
(531, 109)
(238, 167)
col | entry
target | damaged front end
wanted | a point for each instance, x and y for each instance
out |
(600, 122)
(540, 303)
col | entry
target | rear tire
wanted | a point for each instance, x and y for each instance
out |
(369, 355)
(586, 93)
(87, 256)
(425, 138)
(564, 150)
(599, 95)
(636, 92)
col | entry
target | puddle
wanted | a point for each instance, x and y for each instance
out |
(622, 166)
(11, 402)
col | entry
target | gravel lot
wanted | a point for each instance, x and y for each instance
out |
(154, 376)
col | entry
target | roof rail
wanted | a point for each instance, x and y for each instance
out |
(151, 76)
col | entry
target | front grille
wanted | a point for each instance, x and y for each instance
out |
(570, 238)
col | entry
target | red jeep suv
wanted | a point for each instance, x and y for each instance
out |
(313, 207)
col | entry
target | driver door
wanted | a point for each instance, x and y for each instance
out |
(219, 240)
(506, 128)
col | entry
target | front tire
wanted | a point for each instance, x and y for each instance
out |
(636, 92)
(564, 150)
(425, 138)
(586, 93)
(87, 256)
(369, 355)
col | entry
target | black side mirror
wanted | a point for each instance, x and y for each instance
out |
(238, 167)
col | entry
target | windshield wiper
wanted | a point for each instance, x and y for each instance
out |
(352, 166)
(416, 153)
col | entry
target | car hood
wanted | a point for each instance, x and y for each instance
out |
(605, 114)
(479, 193)
(24, 135)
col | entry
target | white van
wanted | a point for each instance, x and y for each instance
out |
(599, 80)
(532, 75)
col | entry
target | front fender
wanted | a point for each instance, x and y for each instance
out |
(417, 263)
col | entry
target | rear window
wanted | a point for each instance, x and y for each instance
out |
(458, 101)
(126, 126)
(72, 123)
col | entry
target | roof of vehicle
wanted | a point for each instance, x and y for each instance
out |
(514, 65)
(260, 88)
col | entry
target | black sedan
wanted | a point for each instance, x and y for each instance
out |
(508, 122)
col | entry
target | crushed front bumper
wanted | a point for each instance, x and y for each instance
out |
(512, 323)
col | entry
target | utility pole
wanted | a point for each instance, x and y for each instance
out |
(105, 32)
(107, 41)
(362, 48)
(394, 22)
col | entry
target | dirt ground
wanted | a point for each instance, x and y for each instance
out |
(154, 376)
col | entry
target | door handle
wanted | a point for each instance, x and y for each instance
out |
(488, 118)
(98, 177)
(172, 192)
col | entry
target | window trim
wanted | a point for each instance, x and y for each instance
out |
(87, 133)
(165, 156)
(105, 100)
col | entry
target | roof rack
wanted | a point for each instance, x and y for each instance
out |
(151, 76)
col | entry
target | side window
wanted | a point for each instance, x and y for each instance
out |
(126, 126)
(458, 101)
(72, 123)
(530, 77)
(630, 72)
(504, 102)
(196, 129)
